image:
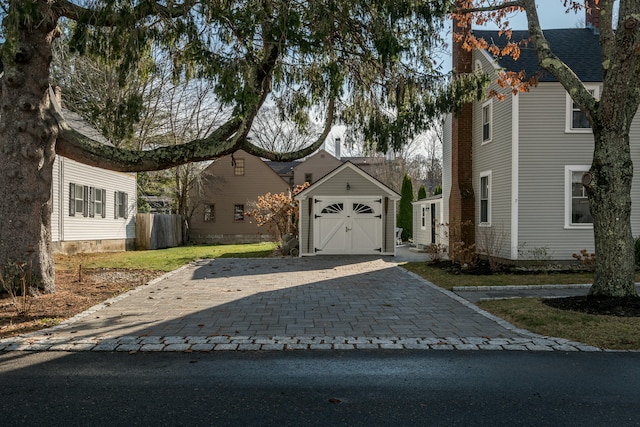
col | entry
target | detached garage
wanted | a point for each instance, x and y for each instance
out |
(347, 212)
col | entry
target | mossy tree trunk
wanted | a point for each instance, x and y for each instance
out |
(609, 189)
(27, 143)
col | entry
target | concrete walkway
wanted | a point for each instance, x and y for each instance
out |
(287, 304)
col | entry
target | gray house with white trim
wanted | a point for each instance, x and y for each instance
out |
(527, 155)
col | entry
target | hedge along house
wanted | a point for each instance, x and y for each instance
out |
(347, 212)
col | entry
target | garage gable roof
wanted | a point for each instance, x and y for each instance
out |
(347, 165)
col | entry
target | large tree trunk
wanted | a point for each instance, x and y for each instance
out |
(610, 203)
(27, 140)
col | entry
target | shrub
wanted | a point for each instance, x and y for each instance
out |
(16, 279)
(637, 250)
(586, 259)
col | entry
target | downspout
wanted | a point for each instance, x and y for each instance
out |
(310, 204)
(384, 225)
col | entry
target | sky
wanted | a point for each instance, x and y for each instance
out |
(552, 15)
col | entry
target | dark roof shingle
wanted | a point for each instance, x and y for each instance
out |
(579, 48)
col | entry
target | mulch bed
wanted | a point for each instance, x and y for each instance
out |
(622, 307)
(611, 306)
(76, 291)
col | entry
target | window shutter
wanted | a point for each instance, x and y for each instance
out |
(85, 200)
(104, 203)
(92, 202)
(125, 206)
(72, 199)
(115, 205)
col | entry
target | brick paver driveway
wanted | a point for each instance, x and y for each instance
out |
(285, 303)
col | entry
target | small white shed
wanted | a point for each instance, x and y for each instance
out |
(427, 222)
(347, 212)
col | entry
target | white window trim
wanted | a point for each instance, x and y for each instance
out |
(477, 65)
(423, 217)
(569, 111)
(568, 169)
(489, 104)
(488, 223)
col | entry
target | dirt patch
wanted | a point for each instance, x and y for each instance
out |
(621, 307)
(75, 292)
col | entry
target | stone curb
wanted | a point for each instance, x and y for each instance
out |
(517, 287)
(133, 344)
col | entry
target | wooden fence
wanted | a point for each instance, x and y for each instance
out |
(158, 231)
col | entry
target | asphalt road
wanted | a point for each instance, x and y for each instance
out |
(426, 388)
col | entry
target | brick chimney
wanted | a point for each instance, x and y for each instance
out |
(461, 199)
(592, 16)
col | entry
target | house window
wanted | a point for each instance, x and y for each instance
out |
(577, 120)
(97, 198)
(238, 168)
(334, 208)
(487, 114)
(485, 198)
(577, 212)
(423, 225)
(308, 177)
(238, 213)
(120, 205)
(78, 200)
(209, 213)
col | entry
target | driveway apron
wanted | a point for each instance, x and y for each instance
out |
(283, 303)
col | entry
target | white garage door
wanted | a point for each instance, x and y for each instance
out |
(347, 225)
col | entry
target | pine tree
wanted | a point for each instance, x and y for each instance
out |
(422, 192)
(405, 215)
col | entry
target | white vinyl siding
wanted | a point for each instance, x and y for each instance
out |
(103, 225)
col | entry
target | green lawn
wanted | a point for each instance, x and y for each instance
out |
(610, 332)
(162, 259)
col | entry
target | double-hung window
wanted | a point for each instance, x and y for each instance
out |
(238, 213)
(120, 205)
(238, 167)
(487, 121)
(577, 212)
(78, 200)
(86, 201)
(210, 213)
(577, 120)
(485, 198)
